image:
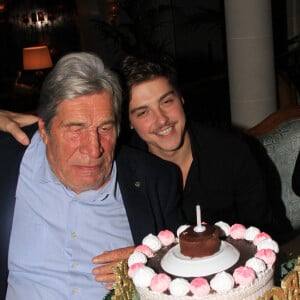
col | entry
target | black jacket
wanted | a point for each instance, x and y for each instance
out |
(227, 181)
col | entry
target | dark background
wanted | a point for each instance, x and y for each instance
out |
(191, 31)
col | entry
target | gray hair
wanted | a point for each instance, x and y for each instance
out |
(75, 75)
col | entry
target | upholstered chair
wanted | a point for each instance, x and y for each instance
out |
(279, 134)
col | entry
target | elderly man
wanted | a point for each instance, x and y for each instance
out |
(78, 194)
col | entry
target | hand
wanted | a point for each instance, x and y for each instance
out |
(109, 259)
(11, 123)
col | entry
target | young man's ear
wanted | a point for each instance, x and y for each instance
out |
(43, 131)
(182, 100)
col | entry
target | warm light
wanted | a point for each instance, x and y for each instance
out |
(36, 58)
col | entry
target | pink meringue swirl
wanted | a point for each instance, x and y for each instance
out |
(144, 249)
(166, 237)
(160, 282)
(267, 255)
(243, 275)
(237, 231)
(199, 286)
(134, 267)
(260, 237)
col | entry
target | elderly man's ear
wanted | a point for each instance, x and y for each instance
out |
(43, 131)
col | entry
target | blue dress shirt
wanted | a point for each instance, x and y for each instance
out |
(56, 233)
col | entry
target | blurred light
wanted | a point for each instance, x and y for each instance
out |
(36, 58)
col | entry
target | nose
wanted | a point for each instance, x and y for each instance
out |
(161, 116)
(90, 144)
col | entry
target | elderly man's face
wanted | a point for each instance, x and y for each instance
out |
(80, 146)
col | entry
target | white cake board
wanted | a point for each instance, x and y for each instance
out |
(177, 264)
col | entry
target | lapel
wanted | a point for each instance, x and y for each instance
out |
(133, 186)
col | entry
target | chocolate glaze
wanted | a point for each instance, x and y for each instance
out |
(200, 244)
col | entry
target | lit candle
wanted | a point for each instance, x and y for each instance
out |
(199, 227)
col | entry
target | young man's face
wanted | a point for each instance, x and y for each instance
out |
(80, 146)
(157, 115)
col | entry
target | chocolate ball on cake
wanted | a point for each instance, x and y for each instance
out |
(200, 244)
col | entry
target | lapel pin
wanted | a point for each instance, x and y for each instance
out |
(137, 184)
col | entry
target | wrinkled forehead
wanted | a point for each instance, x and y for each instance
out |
(94, 106)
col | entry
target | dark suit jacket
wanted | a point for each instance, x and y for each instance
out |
(150, 188)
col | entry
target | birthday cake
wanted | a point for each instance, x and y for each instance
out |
(233, 262)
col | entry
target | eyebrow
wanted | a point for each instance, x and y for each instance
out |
(159, 99)
(79, 123)
(69, 124)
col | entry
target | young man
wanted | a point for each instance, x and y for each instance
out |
(77, 193)
(218, 169)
